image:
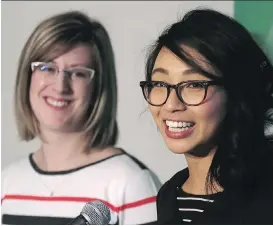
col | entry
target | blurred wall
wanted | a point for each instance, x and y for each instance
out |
(133, 26)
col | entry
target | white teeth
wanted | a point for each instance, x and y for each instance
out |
(175, 124)
(56, 103)
(172, 129)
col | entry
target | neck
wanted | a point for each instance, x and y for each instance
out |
(198, 171)
(60, 151)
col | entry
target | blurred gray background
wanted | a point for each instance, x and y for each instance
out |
(132, 26)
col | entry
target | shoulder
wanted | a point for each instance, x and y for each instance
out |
(16, 167)
(253, 204)
(137, 172)
(124, 168)
(263, 191)
(166, 197)
(259, 208)
(177, 180)
(14, 172)
(126, 164)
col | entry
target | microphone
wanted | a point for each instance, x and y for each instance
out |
(93, 213)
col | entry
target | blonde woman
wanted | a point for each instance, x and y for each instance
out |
(66, 94)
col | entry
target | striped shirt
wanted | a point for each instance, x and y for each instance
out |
(32, 196)
(190, 207)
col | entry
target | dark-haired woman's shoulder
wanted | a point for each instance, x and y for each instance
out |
(177, 180)
(260, 206)
(166, 197)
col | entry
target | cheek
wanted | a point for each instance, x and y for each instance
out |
(36, 85)
(83, 95)
(211, 114)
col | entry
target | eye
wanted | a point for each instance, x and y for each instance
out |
(80, 73)
(45, 67)
(158, 84)
(196, 85)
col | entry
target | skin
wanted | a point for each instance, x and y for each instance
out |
(77, 94)
(61, 127)
(199, 146)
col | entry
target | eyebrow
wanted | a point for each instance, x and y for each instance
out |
(166, 72)
(74, 65)
(79, 65)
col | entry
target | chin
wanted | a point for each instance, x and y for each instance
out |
(179, 146)
(178, 150)
(55, 126)
(198, 150)
(182, 145)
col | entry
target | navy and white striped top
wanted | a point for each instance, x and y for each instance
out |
(191, 207)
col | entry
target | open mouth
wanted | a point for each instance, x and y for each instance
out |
(57, 103)
(178, 129)
(178, 126)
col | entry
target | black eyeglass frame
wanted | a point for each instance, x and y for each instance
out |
(205, 84)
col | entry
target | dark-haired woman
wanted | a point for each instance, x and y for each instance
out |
(209, 87)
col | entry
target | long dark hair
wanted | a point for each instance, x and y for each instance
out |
(244, 153)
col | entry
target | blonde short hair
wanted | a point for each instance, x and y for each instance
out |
(50, 39)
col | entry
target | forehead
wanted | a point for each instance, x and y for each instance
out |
(79, 54)
(168, 60)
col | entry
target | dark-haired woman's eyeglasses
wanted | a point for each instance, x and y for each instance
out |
(191, 93)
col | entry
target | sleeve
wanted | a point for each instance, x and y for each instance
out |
(139, 199)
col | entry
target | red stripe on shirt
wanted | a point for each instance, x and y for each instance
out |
(80, 199)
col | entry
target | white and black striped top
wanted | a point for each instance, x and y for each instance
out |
(125, 185)
(191, 207)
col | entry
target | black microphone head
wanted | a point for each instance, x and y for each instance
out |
(96, 213)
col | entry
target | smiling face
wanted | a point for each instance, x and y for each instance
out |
(186, 129)
(59, 101)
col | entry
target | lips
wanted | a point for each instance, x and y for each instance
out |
(178, 129)
(57, 103)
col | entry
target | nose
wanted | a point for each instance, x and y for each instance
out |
(62, 84)
(173, 103)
